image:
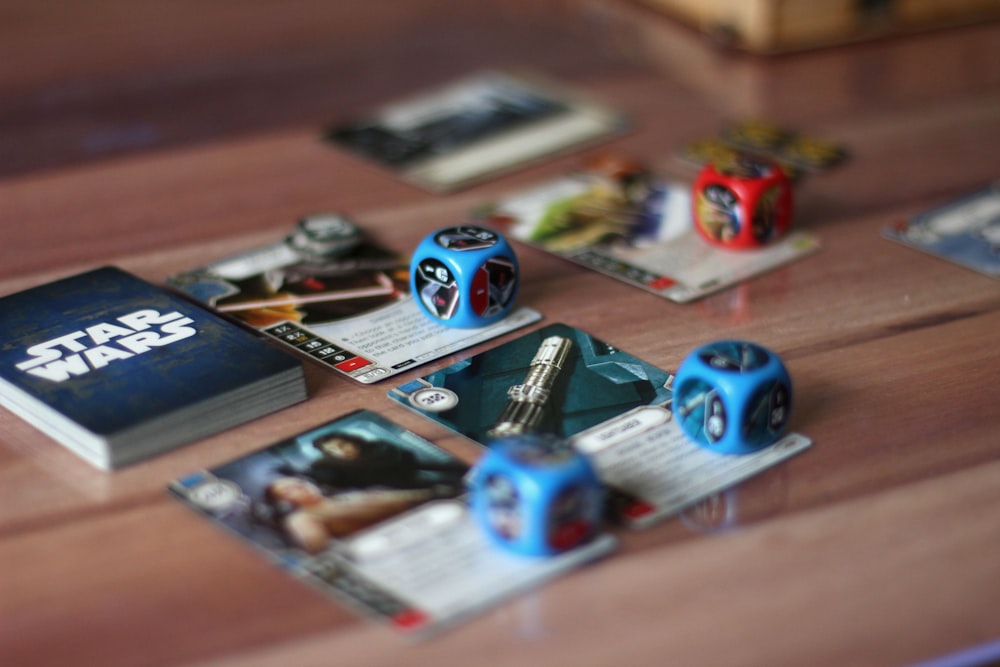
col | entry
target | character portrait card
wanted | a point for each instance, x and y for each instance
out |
(331, 293)
(613, 407)
(965, 231)
(473, 128)
(375, 516)
(622, 220)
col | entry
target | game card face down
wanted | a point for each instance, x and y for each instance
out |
(626, 222)
(965, 231)
(344, 303)
(375, 516)
(610, 405)
(470, 129)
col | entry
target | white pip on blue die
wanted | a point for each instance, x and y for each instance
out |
(732, 397)
(465, 276)
(536, 499)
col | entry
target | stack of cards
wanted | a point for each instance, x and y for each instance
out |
(117, 369)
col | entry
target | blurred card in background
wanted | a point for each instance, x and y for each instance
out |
(474, 128)
(965, 231)
(624, 221)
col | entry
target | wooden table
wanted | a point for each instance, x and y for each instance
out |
(160, 136)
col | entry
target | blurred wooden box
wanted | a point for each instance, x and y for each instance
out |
(818, 83)
(775, 26)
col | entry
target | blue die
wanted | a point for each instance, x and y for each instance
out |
(536, 499)
(464, 276)
(732, 396)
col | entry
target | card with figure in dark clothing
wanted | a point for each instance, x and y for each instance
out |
(374, 515)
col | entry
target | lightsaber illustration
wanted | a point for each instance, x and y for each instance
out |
(526, 402)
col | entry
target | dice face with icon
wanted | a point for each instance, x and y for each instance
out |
(732, 397)
(742, 203)
(536, 499)
(465, 276)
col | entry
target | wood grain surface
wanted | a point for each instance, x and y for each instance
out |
(160, 136)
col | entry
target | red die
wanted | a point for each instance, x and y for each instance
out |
(742, 203)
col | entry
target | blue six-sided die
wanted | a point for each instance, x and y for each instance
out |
(465, 276)
(732, 397)
(536, 500)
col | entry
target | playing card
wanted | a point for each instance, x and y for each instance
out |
(375, 516)
(965, 231)
(340, 298)
(610, 405)
(637, 228)
(473, 128)
(797, 152)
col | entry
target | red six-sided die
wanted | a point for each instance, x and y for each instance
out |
(742, 203)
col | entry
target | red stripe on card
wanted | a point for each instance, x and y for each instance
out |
(409, 619)
(662, 283)
(638, 509)
(352, 364)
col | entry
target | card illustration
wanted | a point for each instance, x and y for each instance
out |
(556, 380)
(337, 296)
